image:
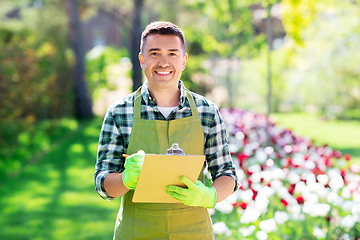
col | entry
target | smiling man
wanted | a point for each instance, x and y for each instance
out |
(162, 111)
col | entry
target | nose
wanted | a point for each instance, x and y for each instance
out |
(163, 62)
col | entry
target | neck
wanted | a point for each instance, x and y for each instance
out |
(166, 97)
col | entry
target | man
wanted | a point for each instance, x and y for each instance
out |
(149, 120)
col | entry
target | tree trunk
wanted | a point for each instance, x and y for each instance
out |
(83, 104)
(270, 47)
(135, 45)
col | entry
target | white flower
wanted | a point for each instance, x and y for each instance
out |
(347, 221)
(310, 179)
(316, 209)
(346, 193)
(261, 235)
(323, 179)
(250, 214)
(268, 225)
(300, 187)
(232, 198)
(347, 206)
(256, 177)
(278, 173)
(261, 203)
(281, 217)
(336, 182)
(298, 159)
(355, 210)
(260, 155)
(269, 150)
(254, 168)
(246, 195)
(335, 199)
(269, 163)
(266, 191)
(220, 228)
(247, 231)
(293, 178)
(319, 233)
(224, 207)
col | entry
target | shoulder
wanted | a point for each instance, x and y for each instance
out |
(122, 106)
(203, 104)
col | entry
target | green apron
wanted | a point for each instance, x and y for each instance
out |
(163, 220)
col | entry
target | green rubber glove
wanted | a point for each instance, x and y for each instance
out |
(195, 195)
(133, 164)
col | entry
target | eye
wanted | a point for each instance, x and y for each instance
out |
(154, 54)
(173, 54)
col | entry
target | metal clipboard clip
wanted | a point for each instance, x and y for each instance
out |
(175, 150)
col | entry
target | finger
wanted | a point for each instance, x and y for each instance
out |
(187, 182)
(132, 167)
(141, 152)
(176, 196)
(176, 189)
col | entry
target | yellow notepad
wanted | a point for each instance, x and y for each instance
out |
(159, 171)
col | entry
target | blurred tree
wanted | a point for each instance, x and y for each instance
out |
(135, 44)
(82, 100)
(325, 73)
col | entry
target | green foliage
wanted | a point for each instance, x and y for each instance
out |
(35, 67)
(223, 28)
(100, 62)
(324, 70)
(22, 139)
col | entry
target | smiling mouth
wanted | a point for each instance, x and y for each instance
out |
(163, 72)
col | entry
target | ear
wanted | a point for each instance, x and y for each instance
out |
(184, 61)
(141, 59)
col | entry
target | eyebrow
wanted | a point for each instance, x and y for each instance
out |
(158, 49)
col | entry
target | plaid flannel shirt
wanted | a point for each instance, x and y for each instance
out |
(117, 125)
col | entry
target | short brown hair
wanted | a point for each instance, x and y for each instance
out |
(162, 28)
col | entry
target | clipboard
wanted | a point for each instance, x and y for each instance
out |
(160, 170)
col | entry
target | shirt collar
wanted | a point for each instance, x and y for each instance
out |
(148, 98)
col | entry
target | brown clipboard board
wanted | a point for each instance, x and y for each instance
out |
(159, 171)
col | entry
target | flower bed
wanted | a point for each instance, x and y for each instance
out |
(290, 188)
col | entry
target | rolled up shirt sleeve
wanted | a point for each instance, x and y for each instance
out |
(216, 146)
(109, 159)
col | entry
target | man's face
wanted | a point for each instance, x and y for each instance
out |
(163, 60)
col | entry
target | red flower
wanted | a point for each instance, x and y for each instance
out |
(292, 189)
(254, 194)
(300, 199)
(347, 157)
(242, 157)
(337, 154)
(284, 202)
(243, 205)
(249, 182)
(303, 179)
(288, 161)
(328, 161)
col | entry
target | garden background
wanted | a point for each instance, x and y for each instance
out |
(283, 72)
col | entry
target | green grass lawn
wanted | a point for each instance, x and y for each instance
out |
(53, 197)
(340, 135)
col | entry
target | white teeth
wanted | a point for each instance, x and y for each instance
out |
(163, 72)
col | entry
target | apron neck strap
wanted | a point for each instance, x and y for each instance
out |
(137, 104)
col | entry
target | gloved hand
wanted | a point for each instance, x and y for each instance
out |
(133, 164)
(195, 195)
